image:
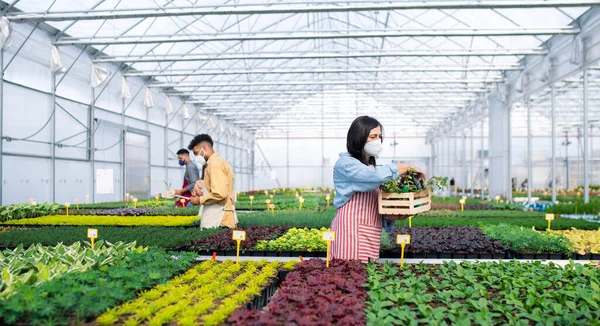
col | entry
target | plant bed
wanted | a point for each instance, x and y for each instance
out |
(528, 241)
(442, 242)
(296, 239)
(38, 264)
(314, 295)
(76, 298)
(20, 211)
(490, 293)
(152, 236)
(584, 242)
(223, 240)
(87, 220)
(207, 294)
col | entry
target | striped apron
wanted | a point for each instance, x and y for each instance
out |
(358, 226)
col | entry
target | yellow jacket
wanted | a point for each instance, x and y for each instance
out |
(219, 178)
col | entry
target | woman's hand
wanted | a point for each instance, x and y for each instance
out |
(404, 167)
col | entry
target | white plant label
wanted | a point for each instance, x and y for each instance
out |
(549, 217)
(329, 236)
(239, 235)
(403, 238)
(92, 233)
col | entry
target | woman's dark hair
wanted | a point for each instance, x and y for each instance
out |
(357, 137)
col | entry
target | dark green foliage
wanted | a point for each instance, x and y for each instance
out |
(525, 220)
(303, 218)
(507, 293)
(163, 237)
(78, 298)
(526, 240)
(577, 207)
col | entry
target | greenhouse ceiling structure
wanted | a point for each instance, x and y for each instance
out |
(251, 69)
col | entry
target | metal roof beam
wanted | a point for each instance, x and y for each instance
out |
(330, 82)
(290, 8)
(380, 69)
(320, 55)
(335, 91)
(316, 35)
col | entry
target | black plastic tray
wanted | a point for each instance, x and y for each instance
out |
(262, 300)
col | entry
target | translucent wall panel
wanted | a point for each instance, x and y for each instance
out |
(25, 178)
(73, 181)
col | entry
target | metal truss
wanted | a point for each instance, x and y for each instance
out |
(290, 8)
(253, 63)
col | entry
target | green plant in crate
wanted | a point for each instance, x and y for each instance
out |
(409, 182)
(38, 264)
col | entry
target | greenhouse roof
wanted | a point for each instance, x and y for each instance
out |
(304, 68)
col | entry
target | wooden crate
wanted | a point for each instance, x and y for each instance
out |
(404, 204)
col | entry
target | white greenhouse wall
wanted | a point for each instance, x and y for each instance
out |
(27, 106)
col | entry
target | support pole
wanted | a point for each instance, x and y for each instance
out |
(529, 150)
(288, 156)
(586, 181)
(509, 193)
(464, 164)
(482, 177)
(92, 143)
(471, 170)
(252, 163)
(123, 174)
(166, 150)
(53, 139)
(432, 160)
(455, 164)
(1, 118)
(553, 120)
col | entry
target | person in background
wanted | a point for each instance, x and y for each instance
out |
(190, 177)
(356, 178)
(217, 196)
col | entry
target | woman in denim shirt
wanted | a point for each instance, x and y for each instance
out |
(356, 179)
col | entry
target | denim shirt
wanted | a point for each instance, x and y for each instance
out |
(351, 175)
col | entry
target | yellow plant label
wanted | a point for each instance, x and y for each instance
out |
(329, 235)
(92, 233)
(403, 238)
(549, 217)
(239, 235)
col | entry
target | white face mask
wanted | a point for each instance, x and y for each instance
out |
(200, 161)
(373, 148)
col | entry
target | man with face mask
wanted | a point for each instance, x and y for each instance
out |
(190, 176)
(217, 196)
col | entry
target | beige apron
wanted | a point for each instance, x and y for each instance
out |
(211, 216)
